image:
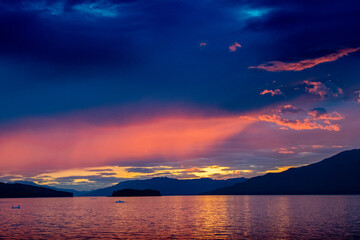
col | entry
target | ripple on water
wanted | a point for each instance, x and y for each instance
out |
(183, 217)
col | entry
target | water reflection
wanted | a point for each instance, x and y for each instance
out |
(183, 217)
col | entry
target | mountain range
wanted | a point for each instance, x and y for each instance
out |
(74, 192)
(169, 186)
(17, 190)
(339, 174)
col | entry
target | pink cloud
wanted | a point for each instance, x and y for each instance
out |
(317, 118)
(320, 115)
(283, 151)
(320, 89)
(234, 47)
(202, 44)
(358, 96)
(303, 124)
(289, 109)
(272, 92)
(278, 66)
(317, 146)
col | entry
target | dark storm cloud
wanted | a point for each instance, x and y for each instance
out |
(62, 42)
(308, 28)
(59, 31)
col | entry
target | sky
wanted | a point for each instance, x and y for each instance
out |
(97, 92)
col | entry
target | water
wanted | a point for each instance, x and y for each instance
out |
(182, 217)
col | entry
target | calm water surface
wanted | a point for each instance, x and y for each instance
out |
(182, 217)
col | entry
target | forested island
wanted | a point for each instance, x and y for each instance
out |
(135, 193)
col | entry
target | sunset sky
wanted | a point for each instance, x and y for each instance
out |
(97, 92)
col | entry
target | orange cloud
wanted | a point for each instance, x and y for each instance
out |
(278, 66)
(283, 151)
(319, 88)
(234, 47)
(358, 96)
(317, 146)
(305, 124)
(272, 92)
(289, 109)
(315, 114)
(64, 145)
(281, 169)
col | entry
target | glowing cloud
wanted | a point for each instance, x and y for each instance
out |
(202, 44)
(283, 151)
(282, 169)
(256, 12)
(321, 114)
(272, 92)
(317, 118)
(98, 9)
(358, 96)
(64, 145)
(304, 124)
(234, 47)
(278, 66)
(320, 89)
(289, 109)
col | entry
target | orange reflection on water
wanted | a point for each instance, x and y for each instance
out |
(182, 217)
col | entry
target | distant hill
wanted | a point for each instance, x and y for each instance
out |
(17, 190)
(169, 186)
(339, 174)
(76, 193)
(135, 193)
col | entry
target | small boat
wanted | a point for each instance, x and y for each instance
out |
(16, 207)
(119, 201)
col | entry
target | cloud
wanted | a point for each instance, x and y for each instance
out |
(323, 90)
(272, 92)
(317, 118)
(289, 109)
(203, 44)
(234, 47)
(141, 170)
(100, 170)
(194, 169)
(278, 66)
(317, 146)
(321, 114)
(283, 151)
(98, 9)
(49, 7)
(358, 96)
(255, 13)
(304, 124)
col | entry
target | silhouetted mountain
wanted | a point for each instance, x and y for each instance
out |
(339, 174)
(135, 193)
(75, 192)
(169, 186)
(17, 190)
